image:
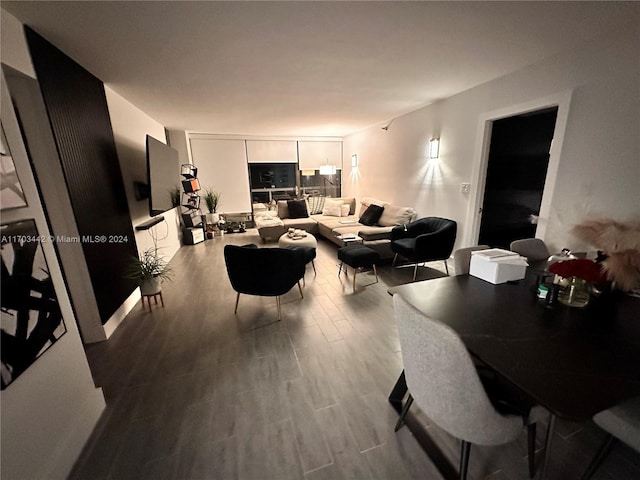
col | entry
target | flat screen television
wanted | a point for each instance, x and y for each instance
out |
(163, 175)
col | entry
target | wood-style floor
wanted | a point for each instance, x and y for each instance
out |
(196, 392)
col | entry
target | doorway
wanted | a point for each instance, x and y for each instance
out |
(516, 171)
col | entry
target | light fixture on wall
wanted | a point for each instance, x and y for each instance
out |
(308, 173)
(328, 169)
(434, 148)
(354, 160)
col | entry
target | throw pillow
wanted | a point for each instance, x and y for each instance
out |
(315, 205)
(344, 210)
(393, 215)
(332, 209)
(371, 215)
(297, 209)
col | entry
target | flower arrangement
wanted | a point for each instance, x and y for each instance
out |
(582, 268)
(620, 244)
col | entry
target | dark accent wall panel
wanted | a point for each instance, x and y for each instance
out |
(77, 108)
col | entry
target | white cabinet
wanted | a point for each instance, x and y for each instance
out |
(222, 166)
(314, 154)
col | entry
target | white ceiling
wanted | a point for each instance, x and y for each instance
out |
(307, 68)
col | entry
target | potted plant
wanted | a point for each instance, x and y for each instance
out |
(212, 199)
(149, 271)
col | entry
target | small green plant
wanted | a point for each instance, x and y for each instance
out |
(150, 265)
(212, 199)
(175, 196)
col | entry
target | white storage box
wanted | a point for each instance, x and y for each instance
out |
(497, 266)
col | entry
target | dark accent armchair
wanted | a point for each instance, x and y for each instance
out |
(267, 272)
(424, 240)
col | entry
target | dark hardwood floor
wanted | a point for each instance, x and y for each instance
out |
(196, 392)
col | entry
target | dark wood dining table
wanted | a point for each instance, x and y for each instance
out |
(574, 362)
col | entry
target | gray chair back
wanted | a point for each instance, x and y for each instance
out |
(462, 258)
(444, 383)
(532, 248)
(623, 422)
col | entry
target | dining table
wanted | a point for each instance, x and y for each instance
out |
(575, 362)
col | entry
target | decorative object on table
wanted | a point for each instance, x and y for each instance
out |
(496, 265)
(31, 319)
(619, 243)
(150, 270)
(579, 275)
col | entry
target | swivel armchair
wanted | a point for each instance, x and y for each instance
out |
(267, 272)
(424, 240)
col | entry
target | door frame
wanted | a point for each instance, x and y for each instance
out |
(562, 100)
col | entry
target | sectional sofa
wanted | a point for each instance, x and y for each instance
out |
(272, 224)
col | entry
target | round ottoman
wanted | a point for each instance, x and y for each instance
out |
(306, 244)
(358, 256)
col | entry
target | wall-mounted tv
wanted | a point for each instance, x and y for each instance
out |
(163, 175)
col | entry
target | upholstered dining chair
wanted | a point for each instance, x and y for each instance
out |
(268, 272)
(444, 382)
(424, 240)
(532, 248)
(622, 423)
(462, 258)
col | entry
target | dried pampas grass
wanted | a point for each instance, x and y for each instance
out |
(620, 242)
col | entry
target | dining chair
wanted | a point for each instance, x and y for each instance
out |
(622, 423)
(268, 272)
(532, 248)
(443, 381)
(462, 258)
(424, 240)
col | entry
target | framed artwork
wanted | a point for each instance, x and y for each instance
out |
(31, 320)
(11, 194)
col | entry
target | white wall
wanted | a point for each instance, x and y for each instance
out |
(130, 128)
(599, 165)
(49, 411)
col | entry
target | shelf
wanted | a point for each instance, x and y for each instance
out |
(150, 223)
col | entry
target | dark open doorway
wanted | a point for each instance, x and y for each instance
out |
(516, 172)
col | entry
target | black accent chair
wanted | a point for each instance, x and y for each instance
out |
(424, 240)
(267, 272)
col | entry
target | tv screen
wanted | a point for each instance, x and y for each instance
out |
(163, 175)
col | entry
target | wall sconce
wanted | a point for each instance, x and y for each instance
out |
(328, 169)
(434, 148)
(354, 160)
(308, 173)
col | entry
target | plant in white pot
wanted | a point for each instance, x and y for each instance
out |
(212, 199)
(150, 270)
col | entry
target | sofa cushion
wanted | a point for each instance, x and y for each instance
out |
(375, 233)
(315, 204)
(297, 209)
(332, 208)
(366, 201)
(371, 215)
(393, 215)
(283, 209)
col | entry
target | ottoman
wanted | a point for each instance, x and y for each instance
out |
(307, 245)
(358, 257)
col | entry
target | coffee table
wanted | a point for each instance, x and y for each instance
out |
(303, 240)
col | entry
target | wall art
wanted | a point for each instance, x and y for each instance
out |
(31, 320)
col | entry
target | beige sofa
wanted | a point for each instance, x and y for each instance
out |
(271, 225)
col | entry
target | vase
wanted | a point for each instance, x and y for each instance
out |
(575, 293)
(151, 286)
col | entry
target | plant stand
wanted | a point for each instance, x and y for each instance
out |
(155, 300)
